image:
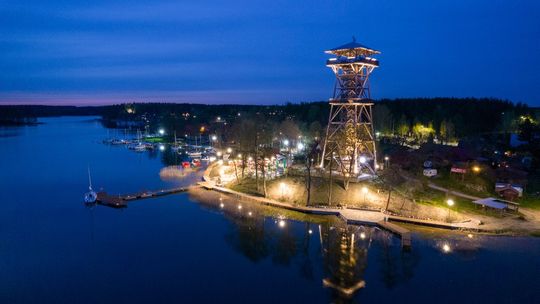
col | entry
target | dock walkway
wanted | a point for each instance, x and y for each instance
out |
(121, 201)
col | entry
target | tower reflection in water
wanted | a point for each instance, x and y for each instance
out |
(324, 249)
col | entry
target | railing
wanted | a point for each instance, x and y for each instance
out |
(347, 60)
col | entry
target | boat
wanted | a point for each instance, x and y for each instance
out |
(138, 146)
(194, 154)
(90, 197)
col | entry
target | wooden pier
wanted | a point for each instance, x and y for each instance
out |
(403, 233)
(121, 201)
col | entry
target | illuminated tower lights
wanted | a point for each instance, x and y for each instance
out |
(350, 140)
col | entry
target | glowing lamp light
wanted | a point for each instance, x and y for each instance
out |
(249, 213)
(386, 158)
(281, 223)
(470, 235)
(161, 131)
(363, 159)
(286, 142)
(362, 235)
(218, 118)
(161, 148)
(214, 138)
(221, 205)
(229, 150)
(250, 158)
(446, 248)
(476, 169)
(365, 190)
(239, 207)
(310, 231)
(218, 153)
(283, 189)
(300, 146)
(450, 202)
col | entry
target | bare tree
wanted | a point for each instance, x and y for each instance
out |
(309, 158)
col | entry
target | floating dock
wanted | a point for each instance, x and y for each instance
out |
(121, 201)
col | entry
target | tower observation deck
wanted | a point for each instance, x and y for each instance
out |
(349, 146)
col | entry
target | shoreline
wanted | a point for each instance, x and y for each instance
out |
(356, 216)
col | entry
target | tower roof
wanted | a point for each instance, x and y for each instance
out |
(352, 48)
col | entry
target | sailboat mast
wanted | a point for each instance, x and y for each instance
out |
(89, 179)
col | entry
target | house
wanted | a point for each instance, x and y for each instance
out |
(509, 191)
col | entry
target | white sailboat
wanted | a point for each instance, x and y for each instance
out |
(90, 197)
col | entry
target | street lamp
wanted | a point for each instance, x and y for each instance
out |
(161, 132)
(282, 188)
(229, 150)
(365, 191)
(214, 138)
(450, 203)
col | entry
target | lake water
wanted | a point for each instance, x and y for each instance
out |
(203, 248)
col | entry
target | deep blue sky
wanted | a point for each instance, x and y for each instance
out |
(95, 52)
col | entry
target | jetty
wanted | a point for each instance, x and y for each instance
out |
(121, 201)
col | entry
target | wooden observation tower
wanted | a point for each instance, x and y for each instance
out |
(349, 146)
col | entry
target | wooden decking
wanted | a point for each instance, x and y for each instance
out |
(121, 201)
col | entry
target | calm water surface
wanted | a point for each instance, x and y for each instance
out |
(188, 248)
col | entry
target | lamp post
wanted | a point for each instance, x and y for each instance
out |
(365, 191)
(450, 203)
(282, 188)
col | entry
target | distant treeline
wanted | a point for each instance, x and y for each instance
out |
(28, 114)
(461, 116)
(457, 117)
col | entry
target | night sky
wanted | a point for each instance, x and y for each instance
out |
(264, 52)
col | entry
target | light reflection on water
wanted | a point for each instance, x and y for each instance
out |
(205, 247)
